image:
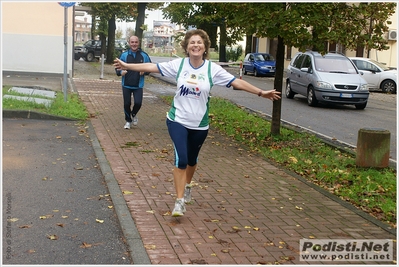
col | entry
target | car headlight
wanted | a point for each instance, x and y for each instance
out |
(364, 87)
(324, 85)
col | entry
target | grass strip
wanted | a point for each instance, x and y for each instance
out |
(370, 189)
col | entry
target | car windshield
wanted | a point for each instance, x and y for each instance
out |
(379, 64)
(90, 42)
(334, 65)
(263, 57)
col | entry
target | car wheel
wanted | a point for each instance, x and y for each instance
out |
(389, 86)
(245, 71)
(312, 101)
(256, 74)
(90, 57)
(288, 92)
(77, 57)
(361, 106)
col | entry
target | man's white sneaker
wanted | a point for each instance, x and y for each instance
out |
(135, 120)
(127, 125)
(179, 209)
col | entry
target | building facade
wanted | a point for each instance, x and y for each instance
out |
(33, 37)
(82, 31)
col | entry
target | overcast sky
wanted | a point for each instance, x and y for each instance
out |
(151, 16)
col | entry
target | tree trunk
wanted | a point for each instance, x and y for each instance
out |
(211, 30)
(222, 47)
(111, 40)
(93, 26)
(103, 39)
(141, 7)
(278, 85)
(248, 43)
(373, 148)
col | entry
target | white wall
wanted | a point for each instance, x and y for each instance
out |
(34, 53)
(33, 37)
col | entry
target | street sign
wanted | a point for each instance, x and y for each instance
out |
(67, 4)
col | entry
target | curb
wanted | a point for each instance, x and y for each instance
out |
(28, 114)
(137, 250)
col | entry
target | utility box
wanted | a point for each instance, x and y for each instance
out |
(373, 147)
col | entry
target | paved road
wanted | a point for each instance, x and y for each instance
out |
(56, 204)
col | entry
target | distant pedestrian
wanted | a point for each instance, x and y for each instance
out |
(132, 81)
(187, 120)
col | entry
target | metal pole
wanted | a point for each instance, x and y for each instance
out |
(65, 51)
(102, 67)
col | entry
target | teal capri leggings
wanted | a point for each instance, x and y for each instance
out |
(187, 143)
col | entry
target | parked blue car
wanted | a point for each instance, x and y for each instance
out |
(260, 64)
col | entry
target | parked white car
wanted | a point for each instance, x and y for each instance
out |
(377, 75)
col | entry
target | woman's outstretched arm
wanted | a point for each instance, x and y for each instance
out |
(244, 85)
(141, 67)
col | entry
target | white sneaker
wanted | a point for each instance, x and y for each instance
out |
(187, 194)
(127, 125)
(179, 209)
(135, 120)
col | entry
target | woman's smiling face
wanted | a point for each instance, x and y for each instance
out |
(196, 46)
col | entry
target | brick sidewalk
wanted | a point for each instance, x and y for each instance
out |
(246, 210)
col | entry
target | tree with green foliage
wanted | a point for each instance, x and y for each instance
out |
(312, 26)
(207, 16)
(105, 15)
(141, 8)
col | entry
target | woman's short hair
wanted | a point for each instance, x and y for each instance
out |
(204, 36)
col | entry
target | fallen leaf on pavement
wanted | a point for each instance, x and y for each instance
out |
(52, 237)
(150, 246)
(46, 216)
(85, 245)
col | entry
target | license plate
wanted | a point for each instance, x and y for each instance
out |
(347, 95)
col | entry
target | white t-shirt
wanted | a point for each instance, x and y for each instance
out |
(190, 105)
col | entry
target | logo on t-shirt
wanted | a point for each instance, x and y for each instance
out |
(190, 91)
(192, 79)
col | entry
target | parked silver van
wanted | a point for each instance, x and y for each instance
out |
(329, 78)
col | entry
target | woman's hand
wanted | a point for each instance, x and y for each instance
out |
(119, 64)
(271, 94)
